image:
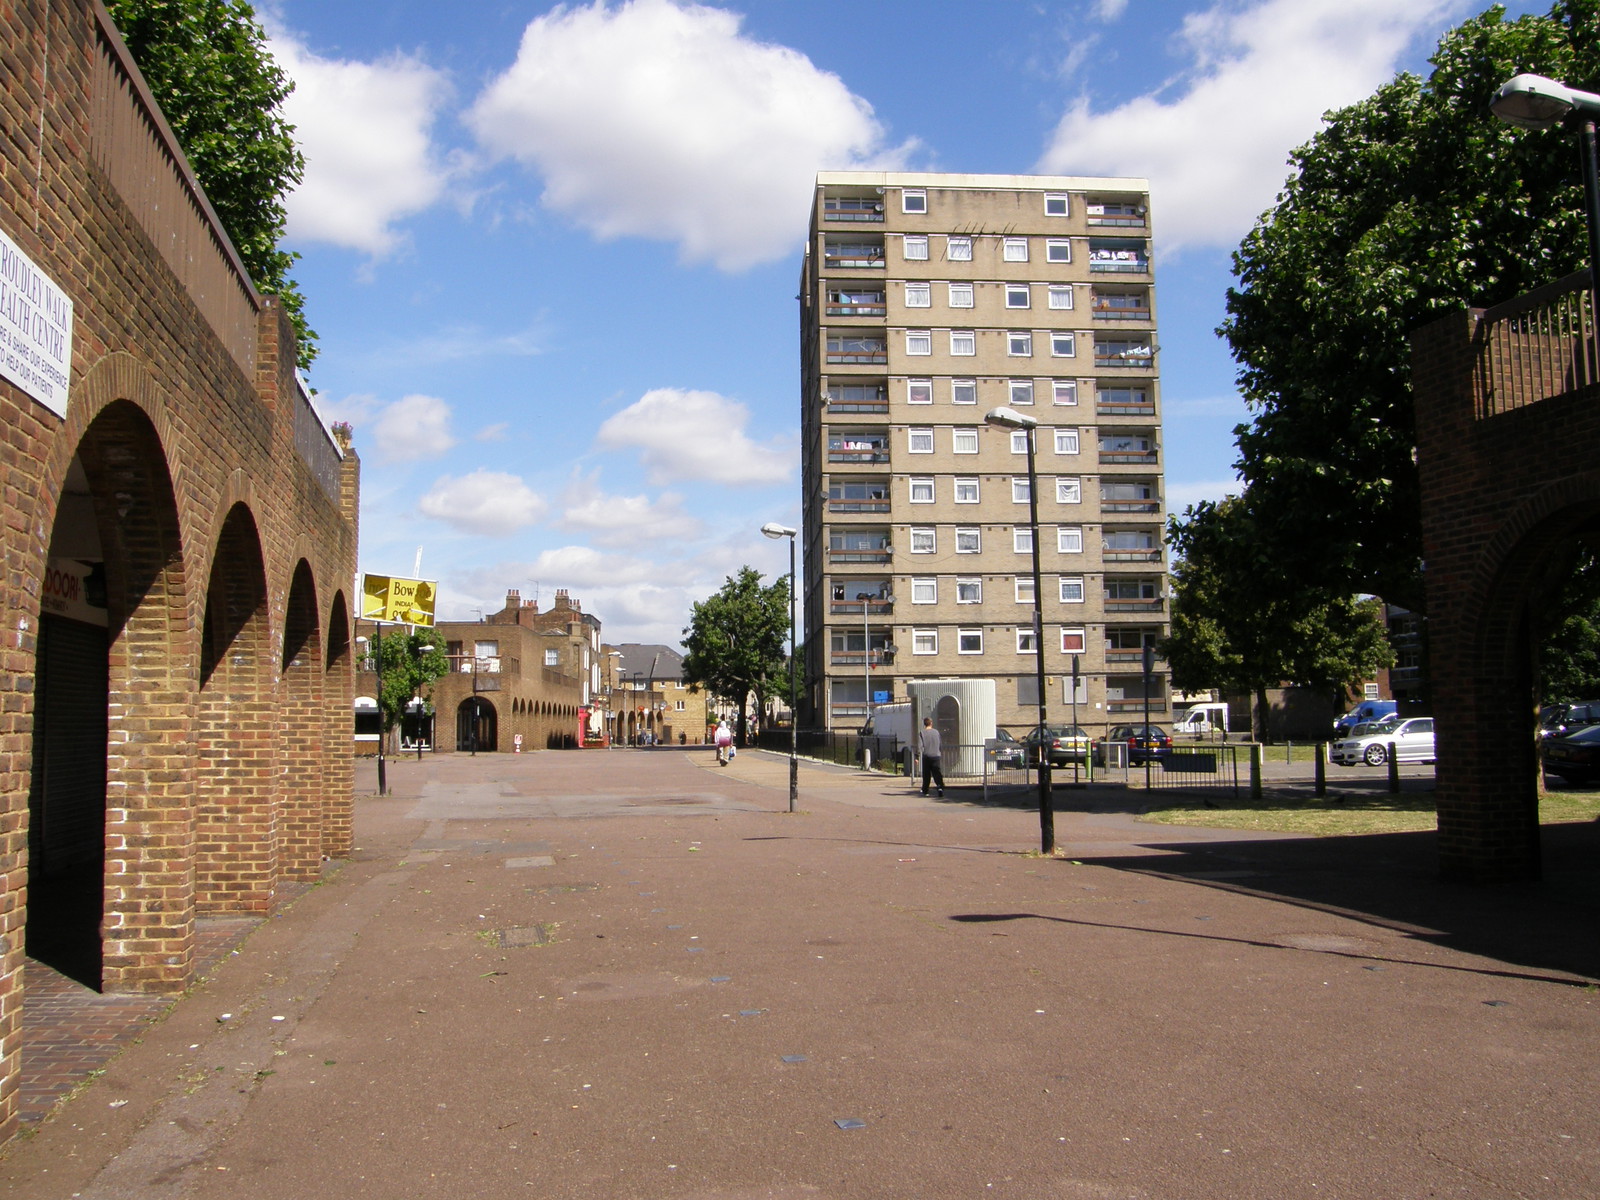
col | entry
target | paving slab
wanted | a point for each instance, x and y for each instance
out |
(635, 974)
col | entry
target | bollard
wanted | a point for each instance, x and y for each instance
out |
(1255, 770)
(1394, 769)
(1288, 753)
(1322, 768)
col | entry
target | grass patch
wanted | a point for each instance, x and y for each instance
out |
(1405, 813)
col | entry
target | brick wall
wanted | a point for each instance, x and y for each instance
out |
(226, 558)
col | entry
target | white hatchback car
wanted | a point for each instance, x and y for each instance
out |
(1413, 742)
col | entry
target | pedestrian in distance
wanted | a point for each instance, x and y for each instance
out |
(724, 740)
(929, 743)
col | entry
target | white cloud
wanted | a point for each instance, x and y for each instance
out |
(413, 427)
(491, 503)
(622, 521)
(364, 129)
(460, 343)
(1214, 142)
(659, 119)
(692, 435)
(1110, 10)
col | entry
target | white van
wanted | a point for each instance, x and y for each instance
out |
(1201, 719)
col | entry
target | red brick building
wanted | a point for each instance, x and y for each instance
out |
(178, 545)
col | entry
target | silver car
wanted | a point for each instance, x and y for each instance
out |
(1413, 742)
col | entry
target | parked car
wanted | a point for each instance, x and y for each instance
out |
(1067, 743)
(1559, 720)
(1143, 741)
(1382, 725)
(1009, 754)
(1367, 710)
(1575, 757)
(1413, 742)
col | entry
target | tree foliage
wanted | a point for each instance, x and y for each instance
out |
(208, 67)
(735, 641)
(1234, 630)
(1570, 648)
(408, 671)
(1411, 204)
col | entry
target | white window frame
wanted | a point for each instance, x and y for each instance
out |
(1022, 589)
(1064, 392)
(968, 483)
(1069, 489)
(1019, 441)
(972, 534)
(924, 540)
(924, 641)
(960, 295)
(919, 295)
(958, 249)
(973, 586)
(1082, 635)
(958, 386)
(914, 247)
(1020, 392)
(964, 636)
(913, 200)
(916, 388)
(1061, 297)
(1067, 585)
(1014, 249)
(923, 484)
(963, 343)
(1069, 539)
(1019, 343)
(1067, 441)
(1058, 250)
(1057, 204)
(963, 440)
(1025, 642)
(1016, 292)
(1019, 489)
(919, 343)
(1063, 344)
(919, 441)
(925, 590)
(1022, 539)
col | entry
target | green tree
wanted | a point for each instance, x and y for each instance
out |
(208, 67)
(1237, 628)
(1569, 658)
(411, 662)
(1411, 204)
(736, 641)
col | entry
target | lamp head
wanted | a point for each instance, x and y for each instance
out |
(1009, 418)
(773, 530)
(1534, 102)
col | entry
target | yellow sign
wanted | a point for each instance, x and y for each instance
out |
(400, 601)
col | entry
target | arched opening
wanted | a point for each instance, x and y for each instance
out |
(235, 796)
(947, 720)
(476, 727)
(104, 888)
(338, 805)
(302, 730)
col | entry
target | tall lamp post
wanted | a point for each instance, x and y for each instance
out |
(421, 650)
(775, 531)
(377, 669)
(1534, 102)
(1011, 419)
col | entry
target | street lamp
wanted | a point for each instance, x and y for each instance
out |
(775, 531)
(377, 668)
(421, 650)
(1010, 418)
(1534, 102)
(612, 678)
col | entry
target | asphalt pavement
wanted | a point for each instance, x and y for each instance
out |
(632, 974)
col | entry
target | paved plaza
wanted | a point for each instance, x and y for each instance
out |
(632, 974)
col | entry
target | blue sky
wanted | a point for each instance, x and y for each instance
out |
(552, 251)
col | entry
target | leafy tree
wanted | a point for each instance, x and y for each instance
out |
(408, 672)
(207, 65)
(1234, 629)
(736, 641)
(1569, 660)
(1411, 204)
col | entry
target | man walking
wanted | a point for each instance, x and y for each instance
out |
(930, 757)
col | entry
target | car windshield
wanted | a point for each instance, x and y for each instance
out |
(1147, 731)
(1589, 733)
(1004, 735)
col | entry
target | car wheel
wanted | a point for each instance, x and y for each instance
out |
(1375, 756)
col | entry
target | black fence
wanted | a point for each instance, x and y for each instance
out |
(1204, 767)
(837, 746)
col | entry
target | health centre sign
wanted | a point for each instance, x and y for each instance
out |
(35, 329)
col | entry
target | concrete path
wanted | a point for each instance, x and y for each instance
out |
(631, 974)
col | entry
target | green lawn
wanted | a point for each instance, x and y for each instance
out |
(1404, 813)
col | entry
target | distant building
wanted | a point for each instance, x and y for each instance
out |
(651, 697)
(926, 300)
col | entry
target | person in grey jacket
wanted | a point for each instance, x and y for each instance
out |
(929, 744)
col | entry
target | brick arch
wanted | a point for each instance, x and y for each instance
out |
(338, 690)
(236, 815)
(302, 748)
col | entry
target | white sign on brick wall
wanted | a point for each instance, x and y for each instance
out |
(35, 329)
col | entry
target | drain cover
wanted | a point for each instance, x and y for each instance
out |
(525, 935)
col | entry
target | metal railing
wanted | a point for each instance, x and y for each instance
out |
(1537, 346)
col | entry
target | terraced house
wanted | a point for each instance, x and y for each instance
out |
(928, 300)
